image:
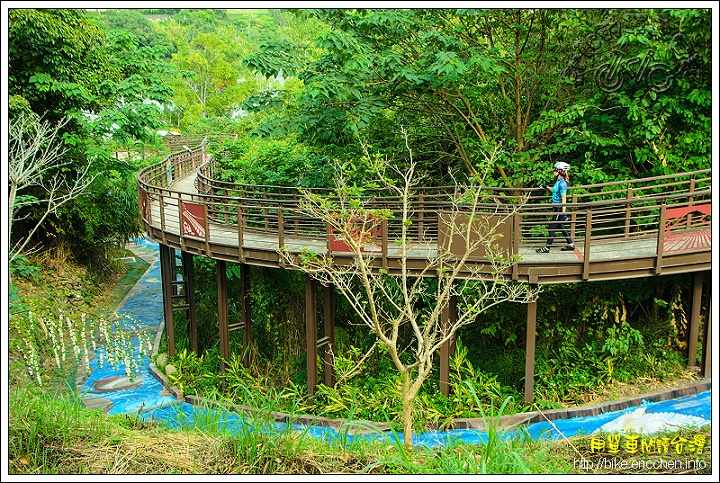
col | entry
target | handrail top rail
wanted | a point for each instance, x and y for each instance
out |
(445, 188)
(158, 169)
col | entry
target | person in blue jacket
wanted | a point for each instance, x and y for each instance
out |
(559, 199)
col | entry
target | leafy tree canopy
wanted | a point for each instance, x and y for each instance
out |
(619, 92)
(138, 25)
(62, 63)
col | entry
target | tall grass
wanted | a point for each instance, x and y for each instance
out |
(502, 452)
(43, 425)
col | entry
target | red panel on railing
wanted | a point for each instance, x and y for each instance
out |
(692, 240)
(366, 228)
(193, 219)
(682, 211)
(695, 239)
(144, 205)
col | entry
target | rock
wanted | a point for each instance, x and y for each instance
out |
(116, 383)
(98, 403)
(161, 360)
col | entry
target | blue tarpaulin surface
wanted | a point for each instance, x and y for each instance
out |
(185, 415)
(146, 396)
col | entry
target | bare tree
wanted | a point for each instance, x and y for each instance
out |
(36, 160)
(384, 302)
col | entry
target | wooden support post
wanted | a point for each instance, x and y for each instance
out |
(166, 263)
(530, 352)
(223, 313)
(266, 212)
(628, 211)
(281, 234)
(281, 229)
(329, 324)
(706, 367)
(163, 228)
(241, 251)
(695, 318)
(384, 244)
(660, 240)
(245, 300)
(516, 238)
(174, 273)
(294, 210)
(311, 333)
(206, 225)
(447, 320)
(183, 245)
(688, 219)
(586, 247)
(188, 276)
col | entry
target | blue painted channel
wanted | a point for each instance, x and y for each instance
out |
(144, 304)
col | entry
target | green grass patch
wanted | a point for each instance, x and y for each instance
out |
(134, 270)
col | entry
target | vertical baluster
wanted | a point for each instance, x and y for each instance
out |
(241, 250)
(421, 216)
(628, 211)
(281, 230)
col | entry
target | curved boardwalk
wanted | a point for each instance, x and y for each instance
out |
(640, 228)
(621, 230)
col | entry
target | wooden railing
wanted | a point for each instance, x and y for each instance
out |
(620, 209)
(598, 213)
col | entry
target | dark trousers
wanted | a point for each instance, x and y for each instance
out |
(556, 226)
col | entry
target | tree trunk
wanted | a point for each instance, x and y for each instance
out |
(11, 210)
(407, 414)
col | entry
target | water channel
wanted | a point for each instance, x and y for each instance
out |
(111, 390)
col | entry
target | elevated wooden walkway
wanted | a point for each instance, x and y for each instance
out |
(621, 230)
(641, 227)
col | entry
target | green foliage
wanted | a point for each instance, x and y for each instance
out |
(197, 374)
(277, 303)
(213, 82)
(275, 162)
(70, 339)
(584, 346)
(374, 398)
(567, 374)
(54, 61)
(649, 115)
(51, 335)
(500, 456)
(139, 26)
(207, 77)
(619, 340)
(22, 267)
(41, 424)
(238, 379)
(375, 393)
(108, 214)
(370, 77)
(500, 452)
(274, 57)
(472, 390)
(63, 64)
(606, 336)
(369, 73)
